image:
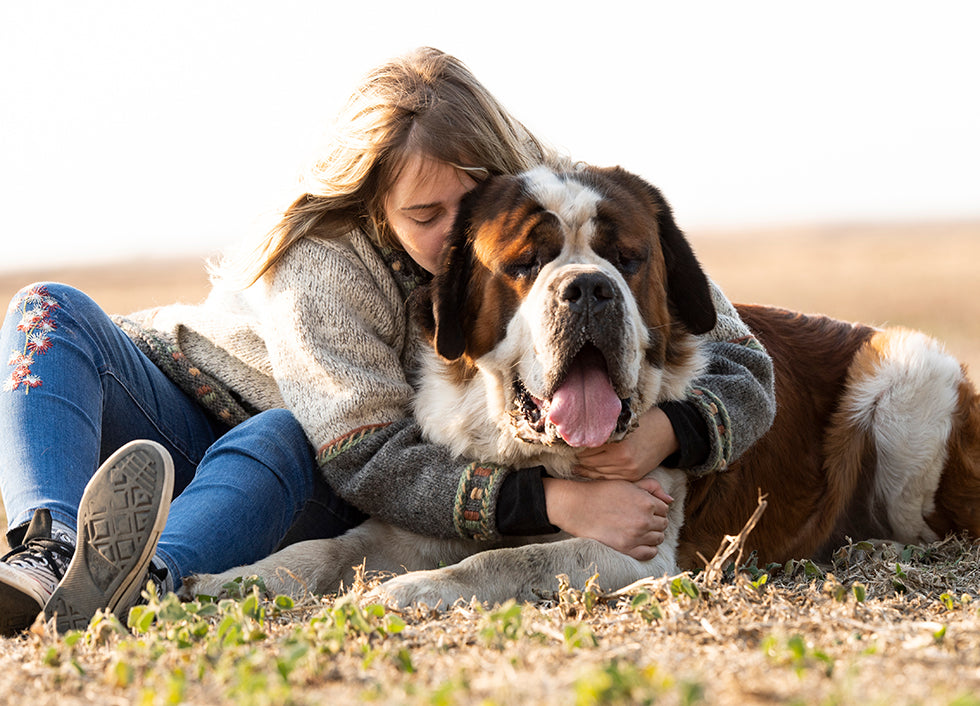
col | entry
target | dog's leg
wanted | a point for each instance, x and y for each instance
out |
(324, 565)
(526, 572)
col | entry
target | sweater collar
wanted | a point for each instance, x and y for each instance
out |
(405, 270)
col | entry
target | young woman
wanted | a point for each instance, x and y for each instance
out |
(315, 322)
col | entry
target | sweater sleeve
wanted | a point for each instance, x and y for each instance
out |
(735, 396)
(337, 340)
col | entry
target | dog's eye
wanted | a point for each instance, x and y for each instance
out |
(524, 267)
(628, 263)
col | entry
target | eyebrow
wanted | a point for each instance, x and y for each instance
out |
(420, 207)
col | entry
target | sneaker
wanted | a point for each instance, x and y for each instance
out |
(30, 572)
(159, 577)
(122, 513)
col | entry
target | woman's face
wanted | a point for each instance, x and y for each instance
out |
(422, 205)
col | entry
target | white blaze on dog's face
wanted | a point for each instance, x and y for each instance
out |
(577, 338)
(558, 291)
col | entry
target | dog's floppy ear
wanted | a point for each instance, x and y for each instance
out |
(448, 297)
(448, 291)
(688, 290)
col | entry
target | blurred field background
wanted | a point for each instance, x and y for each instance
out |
(925, 276)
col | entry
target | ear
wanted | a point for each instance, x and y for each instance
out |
(449, 289)
(688, 291)
(448, 293)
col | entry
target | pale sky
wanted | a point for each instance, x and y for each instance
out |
(130, 128)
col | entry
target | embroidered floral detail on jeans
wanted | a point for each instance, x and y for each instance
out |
(35, 305)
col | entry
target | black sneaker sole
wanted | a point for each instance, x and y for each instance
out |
(122, 513)
(19, 610)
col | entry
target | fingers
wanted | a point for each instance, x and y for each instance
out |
(663, 496)
(610, 462)
(630, 517)
(644, 545)
(603, 473)
(645, 552)
(609, 472)
(658, 525)
(654, 488)
(657, 511)
(586, 472)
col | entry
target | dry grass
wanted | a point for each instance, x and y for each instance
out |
(883, 625)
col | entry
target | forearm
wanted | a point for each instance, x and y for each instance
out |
(392, 473)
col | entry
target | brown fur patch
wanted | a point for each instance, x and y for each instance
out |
(958, 497)
(811, 356)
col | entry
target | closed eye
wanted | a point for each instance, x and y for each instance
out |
(423, 214)
(629, 265)
(542, 244)
(628, 262)
(525, 268)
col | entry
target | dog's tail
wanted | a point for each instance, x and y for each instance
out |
(893, 430)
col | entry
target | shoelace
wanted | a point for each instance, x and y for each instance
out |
(44, 558)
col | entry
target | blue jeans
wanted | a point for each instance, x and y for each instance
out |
(76, 389)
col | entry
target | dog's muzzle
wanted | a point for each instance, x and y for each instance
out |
(586, 395)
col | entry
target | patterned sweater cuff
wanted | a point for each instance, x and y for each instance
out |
(476, 499)
(216, 398)
(719, 430)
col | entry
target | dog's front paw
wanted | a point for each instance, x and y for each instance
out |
(200, 585)
(431, 588)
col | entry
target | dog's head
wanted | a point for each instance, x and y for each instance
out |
(576, 295)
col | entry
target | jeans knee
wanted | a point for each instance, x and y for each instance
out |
(277, 441)
(51, 302)
(281, 427)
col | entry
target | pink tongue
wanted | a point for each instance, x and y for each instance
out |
(585, 408)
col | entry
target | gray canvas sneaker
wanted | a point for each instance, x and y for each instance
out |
(30, 572)
(122, 513)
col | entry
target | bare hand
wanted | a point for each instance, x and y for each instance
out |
(635, 456)
(629, 517)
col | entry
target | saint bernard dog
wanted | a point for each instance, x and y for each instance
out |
(567, 305)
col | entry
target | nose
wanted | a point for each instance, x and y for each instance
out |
(588, 292)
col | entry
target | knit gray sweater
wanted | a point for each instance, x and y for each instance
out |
(327, 335)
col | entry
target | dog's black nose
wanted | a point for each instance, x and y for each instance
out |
(589, 291)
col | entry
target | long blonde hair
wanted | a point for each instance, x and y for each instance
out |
(425, 102)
